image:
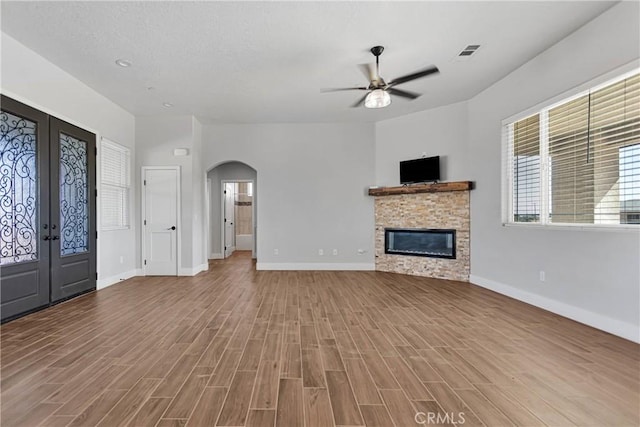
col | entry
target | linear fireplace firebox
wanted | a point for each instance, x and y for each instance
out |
(427, 242)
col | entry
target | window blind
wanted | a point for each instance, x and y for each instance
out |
(526, 170)
(581, 156)
(115, 186)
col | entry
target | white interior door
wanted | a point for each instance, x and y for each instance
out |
(160, 222)
(229, 218)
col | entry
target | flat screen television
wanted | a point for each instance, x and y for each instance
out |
(426, 169)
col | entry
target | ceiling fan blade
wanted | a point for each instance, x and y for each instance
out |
(416, 75)
(360, 102)
(369, 71)
(340, 89)
(403, 93)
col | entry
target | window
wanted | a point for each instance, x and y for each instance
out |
(578, 161)
(629, 190)
(116, 183)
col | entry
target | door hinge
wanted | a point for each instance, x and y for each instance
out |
(225, 191)
(96, 193)
(145, 262)
(95, 150)
(145, 222)
(145, 182)
(96, 276)
(96, 235)
(225, 248)
(225, 220)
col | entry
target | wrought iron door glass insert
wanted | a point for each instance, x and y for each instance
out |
(74, 214)
(435, 243)
(18, 190)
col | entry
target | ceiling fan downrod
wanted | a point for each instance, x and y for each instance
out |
(377, 51)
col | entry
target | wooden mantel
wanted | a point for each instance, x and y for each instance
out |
(422, 188)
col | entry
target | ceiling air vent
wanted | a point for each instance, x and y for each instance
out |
(468, 51)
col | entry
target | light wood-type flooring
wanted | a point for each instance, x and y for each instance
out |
(237, 347)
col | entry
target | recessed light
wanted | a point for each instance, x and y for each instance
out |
(123, 63)
(167, 104)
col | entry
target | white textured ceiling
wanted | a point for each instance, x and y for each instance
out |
(252, 62)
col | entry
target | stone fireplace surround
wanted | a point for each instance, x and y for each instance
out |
(433, 206)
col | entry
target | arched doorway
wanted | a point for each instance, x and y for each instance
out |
(231, 216)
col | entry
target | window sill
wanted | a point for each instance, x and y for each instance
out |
(576, 227)
(115, 228)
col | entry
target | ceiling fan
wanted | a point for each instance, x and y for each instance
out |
(379, 92)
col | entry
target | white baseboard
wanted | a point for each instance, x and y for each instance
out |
(193, 271)
(619, 328)
(112, 280)
(315, 266)
(202, 267)
(216, 256)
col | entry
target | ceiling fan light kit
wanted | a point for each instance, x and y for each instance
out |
(377, 98)
(380, 92)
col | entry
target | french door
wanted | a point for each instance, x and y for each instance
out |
(47, 209)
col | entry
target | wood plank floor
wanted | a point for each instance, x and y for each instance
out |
(236, 347)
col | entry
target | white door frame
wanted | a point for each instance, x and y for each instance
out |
(207, 220)
(224, 217)
(253, 213)
(143, 215)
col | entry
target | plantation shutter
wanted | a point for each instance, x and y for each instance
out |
(115, 183)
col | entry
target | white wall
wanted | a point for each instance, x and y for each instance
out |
(156, 138)
(437, 132)
(31, 79)
(232, 171)
(592, 276)
(313, 181)
(198, 179)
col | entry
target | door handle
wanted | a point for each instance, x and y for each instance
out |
(46, 238)
(55, 237)
(173, 227)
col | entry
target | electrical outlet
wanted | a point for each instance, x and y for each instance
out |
(543, 276)
(276, 252)
(335, 252)
(320, 252)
